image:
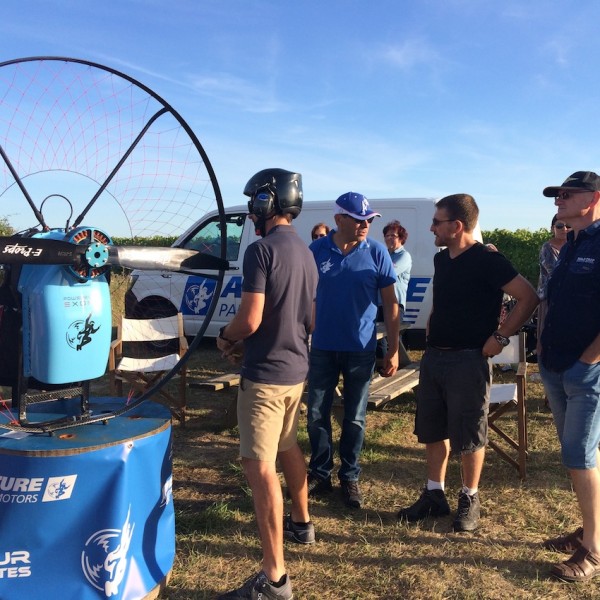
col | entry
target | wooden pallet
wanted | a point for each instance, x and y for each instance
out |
(385, 389)
(218, 382)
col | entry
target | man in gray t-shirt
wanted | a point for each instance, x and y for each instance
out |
(274, 321)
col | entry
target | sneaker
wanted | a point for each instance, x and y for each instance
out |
(431, 503)
(259, 587)
(301, 533)
(565, 543)
(351, 494)
(467, 514)
(318, 486)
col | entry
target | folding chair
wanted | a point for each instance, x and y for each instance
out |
(143, 352)
(503, 398)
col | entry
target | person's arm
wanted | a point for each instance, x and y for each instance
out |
(392, 330)
(527, 299)
(246, 321)
(591, 355)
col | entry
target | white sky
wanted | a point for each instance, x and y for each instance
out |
(390, 98)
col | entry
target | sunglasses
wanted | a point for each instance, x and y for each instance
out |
(435, 222)
(567, 195)
(318, 235)
(360, 221)
(562, 226)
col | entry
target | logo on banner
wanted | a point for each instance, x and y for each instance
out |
(105, 557)
(167, 492)
(59, 488)
(14, 564)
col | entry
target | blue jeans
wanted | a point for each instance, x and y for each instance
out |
(323, 376)
(574, 398)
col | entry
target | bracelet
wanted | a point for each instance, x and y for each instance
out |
(501, 339)
(223, 337)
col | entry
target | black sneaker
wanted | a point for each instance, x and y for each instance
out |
(317, 486)
(431, 503)
(467, 514)
(259, 586)
(303, 533)
(351, 494)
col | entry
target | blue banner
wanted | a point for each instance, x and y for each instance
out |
(87, 513)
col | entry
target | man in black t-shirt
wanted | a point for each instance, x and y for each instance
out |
(455, 376)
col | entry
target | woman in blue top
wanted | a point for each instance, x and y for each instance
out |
(395, 237)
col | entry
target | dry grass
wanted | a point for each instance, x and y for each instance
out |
(366, 553)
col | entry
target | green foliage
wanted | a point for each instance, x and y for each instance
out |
(521, 247)
(5, 227)
(157, 240)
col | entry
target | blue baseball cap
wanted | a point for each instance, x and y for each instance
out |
(355, 205)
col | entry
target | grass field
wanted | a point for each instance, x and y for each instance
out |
(366, 553)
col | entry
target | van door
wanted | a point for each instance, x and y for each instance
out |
(195, 292)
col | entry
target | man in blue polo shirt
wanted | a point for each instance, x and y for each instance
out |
(570, 365)
(353, 271)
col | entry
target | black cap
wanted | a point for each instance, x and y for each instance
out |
(581, 181)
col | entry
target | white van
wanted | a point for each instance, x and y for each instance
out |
(159, 293)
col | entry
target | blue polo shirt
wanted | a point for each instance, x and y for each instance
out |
(573, 318)
(347, 293)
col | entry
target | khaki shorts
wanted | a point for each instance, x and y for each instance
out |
(267, 418)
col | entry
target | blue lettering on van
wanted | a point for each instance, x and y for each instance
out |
(199, 292)
(417, 286)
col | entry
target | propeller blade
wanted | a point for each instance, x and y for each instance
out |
(38, 251)
(169, 259)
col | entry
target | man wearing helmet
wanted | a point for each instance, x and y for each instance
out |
(274, 321)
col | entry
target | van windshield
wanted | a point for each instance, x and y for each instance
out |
(207, 238)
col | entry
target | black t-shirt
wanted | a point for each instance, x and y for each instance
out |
(467, 296)
(281, 267)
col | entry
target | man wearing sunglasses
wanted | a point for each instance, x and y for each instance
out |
(570, 365)
(353, 271)
(455, 376)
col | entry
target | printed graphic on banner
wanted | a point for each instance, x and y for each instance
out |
(104, 559)
(14, 564)
(167, 492)
(59, 488)
(29, 490)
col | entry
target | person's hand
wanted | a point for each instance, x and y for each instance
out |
(223, 345)
(235, 352)
(390, 364)
(491, 347)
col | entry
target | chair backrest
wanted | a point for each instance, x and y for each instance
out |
(148, 330)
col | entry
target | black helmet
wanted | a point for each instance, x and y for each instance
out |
(274, 191)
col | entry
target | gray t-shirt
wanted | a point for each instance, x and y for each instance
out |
(280, 266)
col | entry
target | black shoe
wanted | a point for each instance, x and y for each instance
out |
(351, 494)
(258, 586)
(303, 533)
(467, 514)
(431, 503)
(317, 486)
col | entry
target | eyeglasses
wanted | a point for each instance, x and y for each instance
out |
(391, 235)
(359, 221)
(567, 195)
(562, 226)
(435, 222)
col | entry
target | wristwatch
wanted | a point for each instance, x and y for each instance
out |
(223, 337)
(501, 339)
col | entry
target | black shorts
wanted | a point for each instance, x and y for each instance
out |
(453, 398)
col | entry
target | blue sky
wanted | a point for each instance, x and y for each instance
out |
(390, 98)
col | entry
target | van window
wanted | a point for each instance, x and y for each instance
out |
(207, 239)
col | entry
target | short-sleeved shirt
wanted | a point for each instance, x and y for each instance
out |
(573, 294)
(281, 267)
(467, 296)
(347, 293)
(402, 262)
